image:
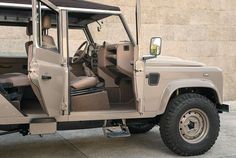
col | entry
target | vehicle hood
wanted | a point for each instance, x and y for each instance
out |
(173, 61)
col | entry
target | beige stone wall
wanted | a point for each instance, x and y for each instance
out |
(12, 43)
(200, 30)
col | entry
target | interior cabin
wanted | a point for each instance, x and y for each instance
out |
(100, 55)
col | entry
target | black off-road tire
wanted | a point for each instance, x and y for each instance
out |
(170, 124)
(140, 128)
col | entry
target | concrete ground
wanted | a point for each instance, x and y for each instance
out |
(92, 144)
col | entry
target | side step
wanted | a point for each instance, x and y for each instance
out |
(119, 131)
(42, 126)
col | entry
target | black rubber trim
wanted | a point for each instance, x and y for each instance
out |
(153, 79)
(75, 92)
(223, 108)
(61, 126)
(43, 120)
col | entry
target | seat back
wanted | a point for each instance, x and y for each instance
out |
(29, 51)
(48, 41)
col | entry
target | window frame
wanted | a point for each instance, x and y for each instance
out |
(125, 26)
(39, 35)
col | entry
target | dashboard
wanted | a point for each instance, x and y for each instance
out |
(118, 56)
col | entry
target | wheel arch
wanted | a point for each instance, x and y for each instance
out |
(202, 87)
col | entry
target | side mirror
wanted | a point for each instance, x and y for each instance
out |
(155, 47)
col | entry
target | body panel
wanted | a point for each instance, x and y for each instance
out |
(47, 63)
(81, 116)
(7, 109)
(47, 68)
(178, 74)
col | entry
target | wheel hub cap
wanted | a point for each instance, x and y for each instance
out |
(194, 126)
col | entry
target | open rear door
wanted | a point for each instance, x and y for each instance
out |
(47, 69)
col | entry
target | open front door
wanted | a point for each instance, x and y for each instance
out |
(139, 67)
(139, 79)
(46, 69)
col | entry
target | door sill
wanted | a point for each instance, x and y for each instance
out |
(104, 115)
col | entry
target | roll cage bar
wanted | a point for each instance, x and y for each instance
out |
(8, 4)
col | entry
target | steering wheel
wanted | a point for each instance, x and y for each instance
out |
(80, 53)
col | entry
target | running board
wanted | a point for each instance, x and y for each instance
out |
(119, 131)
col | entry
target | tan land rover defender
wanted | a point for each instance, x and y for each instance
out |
(77, 66)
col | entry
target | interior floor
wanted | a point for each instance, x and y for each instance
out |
(29, 103)
(123, 106)
(26, 101)
(104, 99)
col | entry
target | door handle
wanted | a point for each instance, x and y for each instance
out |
(46, 77)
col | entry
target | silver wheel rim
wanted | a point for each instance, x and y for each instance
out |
(194, 126)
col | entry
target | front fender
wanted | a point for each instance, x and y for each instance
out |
(186, 83)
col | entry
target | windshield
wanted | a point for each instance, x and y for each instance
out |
(110, 30)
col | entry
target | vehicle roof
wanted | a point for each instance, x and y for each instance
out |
(67, 4)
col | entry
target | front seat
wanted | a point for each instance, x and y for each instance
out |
(18, 79)
(84, 82)
(48, 41)
(77, 83)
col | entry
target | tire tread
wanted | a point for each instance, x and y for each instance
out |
(166, 123)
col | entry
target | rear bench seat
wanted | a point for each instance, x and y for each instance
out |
(15, 79)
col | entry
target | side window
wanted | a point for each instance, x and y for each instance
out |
(10, 39)
(49, 29)
(76, 37)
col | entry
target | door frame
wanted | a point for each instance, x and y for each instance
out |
(63, 48)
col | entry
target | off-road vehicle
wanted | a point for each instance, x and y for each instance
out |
(83, 69)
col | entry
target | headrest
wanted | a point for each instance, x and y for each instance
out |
(46, 22)
(49, 43)
(29, 29)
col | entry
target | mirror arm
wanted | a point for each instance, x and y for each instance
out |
(99, 27)
(149, 57)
